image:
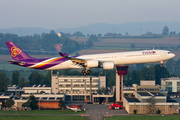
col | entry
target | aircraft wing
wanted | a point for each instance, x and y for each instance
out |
(74, 60)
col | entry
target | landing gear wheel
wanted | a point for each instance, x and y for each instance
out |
(88, 72)
(83, 71)
(84, 74)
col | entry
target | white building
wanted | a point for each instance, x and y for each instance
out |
(37, 89)
(76, 84)
(171, 84)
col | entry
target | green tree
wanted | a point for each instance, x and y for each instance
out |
(48, 77)
(160, 72)
(133, 46)
(15, 77)
(170, 65)
(53, 32)
(32, 102)
(165, 30)
(102, 90)
(37, 78)
(34, 78)
(99, 35)
(3, 81)
(9, 103)
(25, 104)
(89, 43)
(77, 34)
(61, 104)
(22, 82)
(93, 38)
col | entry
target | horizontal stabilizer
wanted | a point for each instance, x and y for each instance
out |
(15, 62)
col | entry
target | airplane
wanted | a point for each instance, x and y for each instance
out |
(104, 60)
(73, 109)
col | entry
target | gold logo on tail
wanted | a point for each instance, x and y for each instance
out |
(15, 51)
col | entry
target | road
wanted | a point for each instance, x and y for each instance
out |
(98, 112)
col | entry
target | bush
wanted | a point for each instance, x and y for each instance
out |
(9, 103)
(158, 111)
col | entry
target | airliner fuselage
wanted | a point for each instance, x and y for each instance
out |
(105, 60)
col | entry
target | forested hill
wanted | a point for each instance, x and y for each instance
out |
(133, 28)
(37, 44)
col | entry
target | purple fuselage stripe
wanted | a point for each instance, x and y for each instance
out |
(30, 62)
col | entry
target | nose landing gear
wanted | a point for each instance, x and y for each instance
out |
(161, 63)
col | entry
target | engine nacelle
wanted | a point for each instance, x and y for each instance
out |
(108, 65)
(92, 63)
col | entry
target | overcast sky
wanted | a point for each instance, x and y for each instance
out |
(53, 14)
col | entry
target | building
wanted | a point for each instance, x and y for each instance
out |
(18, 101)
(150, 103)
(44, 100)
(146, 98)
(37, 89)
(77, 88)
(76, 84)
(15, 89)
(4, 97)
(171, 84)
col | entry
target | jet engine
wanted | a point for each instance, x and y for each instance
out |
(92, 63)
(108, 65)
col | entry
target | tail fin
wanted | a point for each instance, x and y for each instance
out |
(16, 52)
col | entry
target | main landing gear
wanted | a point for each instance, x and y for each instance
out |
(86, 72)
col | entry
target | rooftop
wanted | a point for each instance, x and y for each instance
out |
(171, 78)
(144, 94)
(130, 99)
(38, 85)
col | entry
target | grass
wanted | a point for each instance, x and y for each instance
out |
(22, 117)
(143, 118)
(42, 112)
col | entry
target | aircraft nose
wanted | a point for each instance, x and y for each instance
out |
(173, 55)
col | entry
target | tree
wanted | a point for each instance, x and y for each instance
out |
(93, 38)
(3, 81)
(53, 32)
(37, 78)
(34, 78)
(15, 77)
(48, 77)
(89, 43)
(32, 102)
(9, 103)
(102, 90)
(61, 104)
(22, 82)
(160, 72)
(99, 35)
(77, 34)
(165, 30)
(133, 46)
(25, 104)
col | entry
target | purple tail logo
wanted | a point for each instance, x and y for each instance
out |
(15, 51)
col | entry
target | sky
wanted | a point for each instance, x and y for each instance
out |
(54, 14)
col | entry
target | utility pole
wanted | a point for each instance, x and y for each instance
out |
(90, 89)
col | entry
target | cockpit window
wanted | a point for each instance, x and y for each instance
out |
(169, 52)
